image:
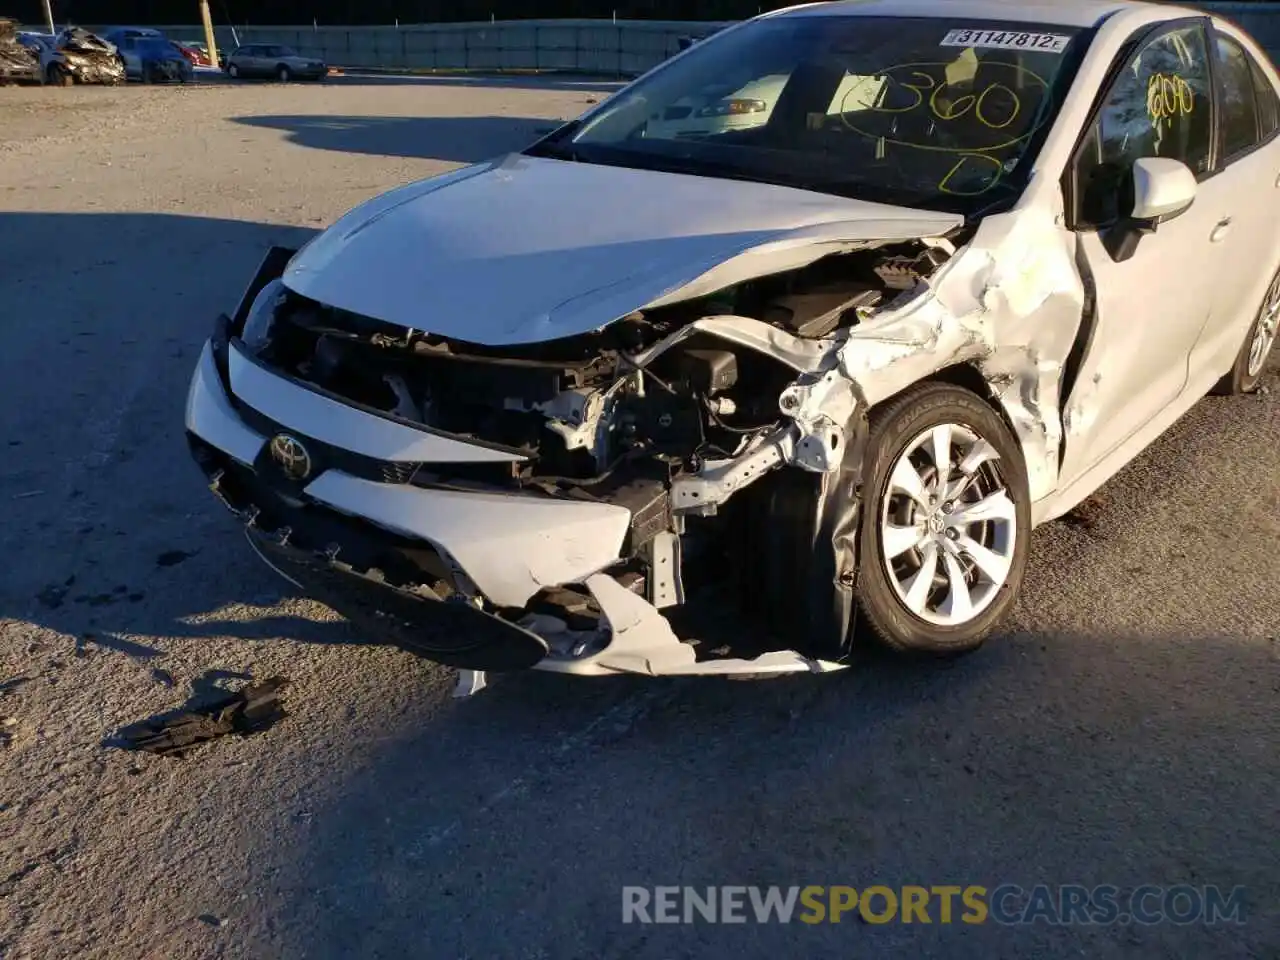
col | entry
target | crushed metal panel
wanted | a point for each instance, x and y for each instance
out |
(1010, 304)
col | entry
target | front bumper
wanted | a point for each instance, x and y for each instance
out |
(458, 576)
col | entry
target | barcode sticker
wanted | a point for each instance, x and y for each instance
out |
(1007, 40)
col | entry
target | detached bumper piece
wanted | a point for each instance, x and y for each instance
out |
(252, 710)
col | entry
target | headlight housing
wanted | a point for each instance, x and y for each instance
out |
(260, 322)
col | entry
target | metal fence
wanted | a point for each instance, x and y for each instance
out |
(604, 48)
(623, 48)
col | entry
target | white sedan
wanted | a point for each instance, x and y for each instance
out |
(829, 369)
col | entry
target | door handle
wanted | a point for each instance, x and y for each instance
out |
(1220, 230)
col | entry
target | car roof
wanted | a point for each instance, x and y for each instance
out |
(1067, 13)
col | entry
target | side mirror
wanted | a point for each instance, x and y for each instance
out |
(1163, 188)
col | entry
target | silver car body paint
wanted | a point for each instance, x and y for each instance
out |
(530, 249)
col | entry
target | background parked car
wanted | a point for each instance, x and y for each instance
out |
(273, 60)
(196, 53)
(75, 56)
(149, 55)
(19, 62)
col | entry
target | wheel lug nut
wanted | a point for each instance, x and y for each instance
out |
(953, 534)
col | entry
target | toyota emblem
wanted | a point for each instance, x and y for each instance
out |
(291, 456)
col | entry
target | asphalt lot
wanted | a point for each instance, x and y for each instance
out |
(1123, 731)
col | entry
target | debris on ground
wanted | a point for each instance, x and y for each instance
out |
(252, 710)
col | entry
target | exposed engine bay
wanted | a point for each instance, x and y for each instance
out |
(586, 410)
(665, 413)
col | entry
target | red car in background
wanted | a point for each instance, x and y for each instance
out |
(197, 54)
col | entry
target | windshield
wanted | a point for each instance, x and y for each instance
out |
(942, 113)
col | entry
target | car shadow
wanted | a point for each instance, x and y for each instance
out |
(448, 139)
(1044, 759)
(110, 536)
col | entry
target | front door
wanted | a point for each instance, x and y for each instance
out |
(1150, 308)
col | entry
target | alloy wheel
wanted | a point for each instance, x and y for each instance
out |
(948, 525)
(1264, 334)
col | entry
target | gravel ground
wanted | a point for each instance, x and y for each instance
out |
(1122, 731)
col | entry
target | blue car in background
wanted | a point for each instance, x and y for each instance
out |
(149, 55)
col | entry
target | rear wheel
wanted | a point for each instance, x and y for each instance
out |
(1252, 359)
(947, 521)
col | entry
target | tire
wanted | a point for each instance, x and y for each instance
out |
(1251, 361)
(60, 77)
(283, 74)
(904, 431)
(146, 74)
(233, 71)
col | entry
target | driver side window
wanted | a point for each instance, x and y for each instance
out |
(1158, 106)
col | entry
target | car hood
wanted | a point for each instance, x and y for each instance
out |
(529, 249)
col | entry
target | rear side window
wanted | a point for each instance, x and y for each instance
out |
(1158, 106)
(1239, 115)
(1268, 105)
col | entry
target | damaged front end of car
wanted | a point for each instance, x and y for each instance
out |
(90, 59)
(567, 505)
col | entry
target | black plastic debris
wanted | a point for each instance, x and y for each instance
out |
(255, 708)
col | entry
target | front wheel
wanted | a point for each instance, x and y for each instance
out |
(1246, 374)
(283, 74)
(60, 76)
(233, 71)
(947, 521)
